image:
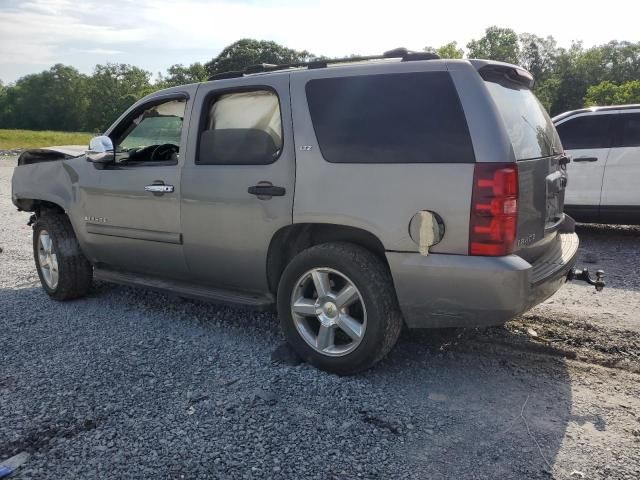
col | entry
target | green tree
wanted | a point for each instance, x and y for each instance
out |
(547, 92)
(450, 50)
(608, 93)
(497, 44)
(181, 75)
(53, 98)
(538, 55)
(111, 90)
(566, 78)
(621, 60)
(3, 92)
(576, 69)
(246, 52)
(3, 103)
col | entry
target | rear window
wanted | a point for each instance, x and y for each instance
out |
(590, 131)
(393, 118)
(529, 127)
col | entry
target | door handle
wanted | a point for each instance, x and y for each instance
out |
(586, 159)
(158, 187)
(265, 190)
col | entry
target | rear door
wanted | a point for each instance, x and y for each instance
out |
(238, 182)
(587, 140)
(620, 193)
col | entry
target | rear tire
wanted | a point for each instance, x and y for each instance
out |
(64, 271)
(353, 322)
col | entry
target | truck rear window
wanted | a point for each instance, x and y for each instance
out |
(392, 118)
(530, 129)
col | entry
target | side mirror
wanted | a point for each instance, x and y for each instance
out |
(101, 150)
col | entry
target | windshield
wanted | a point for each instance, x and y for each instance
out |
(530, 129)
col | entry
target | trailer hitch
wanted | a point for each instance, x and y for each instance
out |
(584, 276)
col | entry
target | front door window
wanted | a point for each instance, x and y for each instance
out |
(153, 134)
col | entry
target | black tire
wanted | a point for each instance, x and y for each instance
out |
(372, 279)
(75, 273)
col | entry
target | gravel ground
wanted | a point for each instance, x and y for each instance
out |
(133, 384)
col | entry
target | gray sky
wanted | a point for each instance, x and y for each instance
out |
(155, 34)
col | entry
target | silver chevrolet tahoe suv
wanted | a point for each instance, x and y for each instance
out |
(355, 196)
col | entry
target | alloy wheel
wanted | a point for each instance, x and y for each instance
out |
(48, 259)
(328, 312)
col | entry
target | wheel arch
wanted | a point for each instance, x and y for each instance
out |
(287, 242)
(41, 207)
(38, 206)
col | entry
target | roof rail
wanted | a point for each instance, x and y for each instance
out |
(403, 53)
(595, 108)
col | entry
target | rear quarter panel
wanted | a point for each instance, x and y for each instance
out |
(382, 198)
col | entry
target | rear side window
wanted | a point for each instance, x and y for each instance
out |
(629, 131)
(393, 118)
(528, 125)
(242, 128)
(591, 131)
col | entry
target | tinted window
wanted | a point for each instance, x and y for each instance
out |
(528, 125)
(591, 131)
(395, 118)
(630, 130)
(242, 128)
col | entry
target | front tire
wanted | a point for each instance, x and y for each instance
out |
(337, 307)
(64, 271)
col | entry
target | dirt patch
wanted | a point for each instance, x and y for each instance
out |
(570, 338)
(585, 341)
(40, 437)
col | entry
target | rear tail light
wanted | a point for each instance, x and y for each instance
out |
(494, 209)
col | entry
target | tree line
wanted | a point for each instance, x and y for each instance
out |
(62, 98)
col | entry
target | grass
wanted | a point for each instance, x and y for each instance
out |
(15, 139)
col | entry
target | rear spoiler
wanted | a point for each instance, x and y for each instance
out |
(501, 72)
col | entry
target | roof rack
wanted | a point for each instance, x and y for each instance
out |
(403, 53)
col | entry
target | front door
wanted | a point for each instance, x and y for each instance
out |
(587, 140)
(131, 208)
(238, 180)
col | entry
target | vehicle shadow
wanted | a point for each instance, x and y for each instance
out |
(486, 410)
(441, 405)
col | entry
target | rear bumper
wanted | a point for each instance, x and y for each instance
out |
(437, 290)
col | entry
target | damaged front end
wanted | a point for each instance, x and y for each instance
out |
(43, 176)
(50, 154)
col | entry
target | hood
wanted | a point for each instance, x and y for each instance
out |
(70, 150)
(50, 154)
